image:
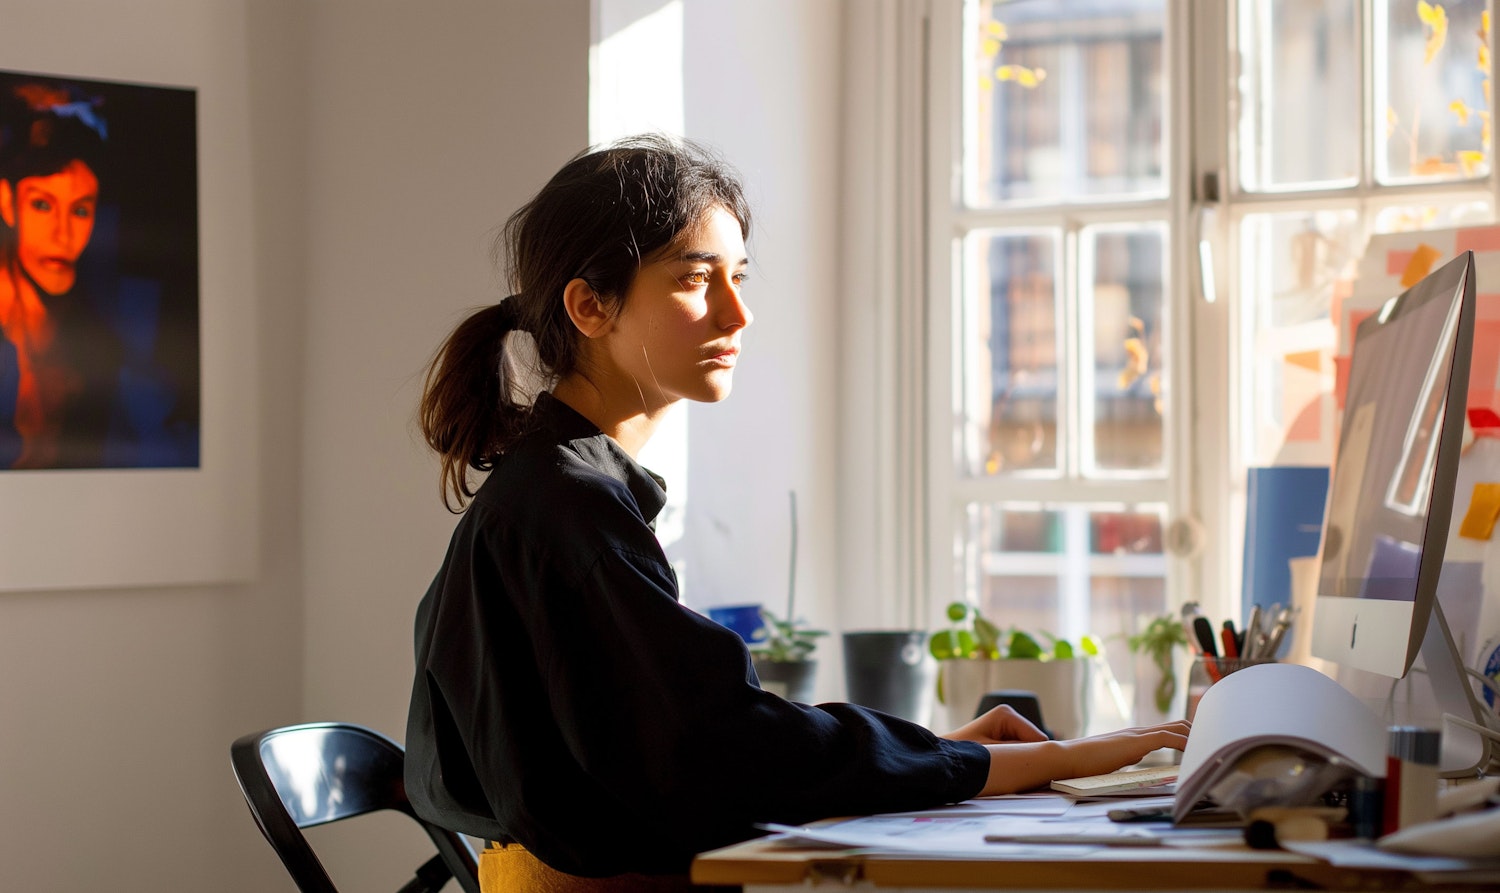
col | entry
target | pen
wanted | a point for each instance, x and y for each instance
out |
(1084, 839)
(1250, 647)
(1231, 642)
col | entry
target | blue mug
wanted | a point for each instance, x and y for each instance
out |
(743, 619)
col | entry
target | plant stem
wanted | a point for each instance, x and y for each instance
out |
(791, 583)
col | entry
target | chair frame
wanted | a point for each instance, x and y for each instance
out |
(269, 806)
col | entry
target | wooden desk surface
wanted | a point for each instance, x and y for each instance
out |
(760, 862)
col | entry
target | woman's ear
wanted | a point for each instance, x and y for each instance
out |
(588, 313)
(7, 204)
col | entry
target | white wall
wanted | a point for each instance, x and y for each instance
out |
(363, 152)
(117, 706)
(762, 86)
(428, 123)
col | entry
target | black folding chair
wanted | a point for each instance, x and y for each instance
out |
(296, 777)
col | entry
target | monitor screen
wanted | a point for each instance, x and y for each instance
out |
(1391, 492)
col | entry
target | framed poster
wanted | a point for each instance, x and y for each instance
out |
(98, 275)
(110, 357)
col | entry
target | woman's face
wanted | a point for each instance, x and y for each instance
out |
(53, 217)
(678, 334)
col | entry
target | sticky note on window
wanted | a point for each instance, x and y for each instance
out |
(1484, 508)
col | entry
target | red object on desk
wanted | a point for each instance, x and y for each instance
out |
(1231, 646)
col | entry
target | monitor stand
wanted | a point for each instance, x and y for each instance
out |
(1465, 751)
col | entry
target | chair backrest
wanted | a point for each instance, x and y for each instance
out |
(296, 777)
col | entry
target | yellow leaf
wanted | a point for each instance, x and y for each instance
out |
(1484, 26)
(1005, 73)
(1459, 110)
(1424, 11)
(995, 29)
(990, 47)
(1484, 58)
(1028, 78)
(986, 84)
(1437, 20)
(1470, 161)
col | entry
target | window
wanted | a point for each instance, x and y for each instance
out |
(1142, 271)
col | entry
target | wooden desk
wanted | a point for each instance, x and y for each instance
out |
(764, 867)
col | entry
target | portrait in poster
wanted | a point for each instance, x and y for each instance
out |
(99, 275)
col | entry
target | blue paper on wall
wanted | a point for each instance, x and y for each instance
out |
(1283, 520)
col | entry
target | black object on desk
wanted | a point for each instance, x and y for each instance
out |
(1023, 702)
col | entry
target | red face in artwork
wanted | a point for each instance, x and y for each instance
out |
(53, 217)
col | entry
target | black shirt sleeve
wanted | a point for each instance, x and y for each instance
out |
(566, 700)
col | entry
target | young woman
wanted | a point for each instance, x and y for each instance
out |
(564, 701)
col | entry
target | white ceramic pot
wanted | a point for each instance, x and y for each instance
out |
(1061, 686)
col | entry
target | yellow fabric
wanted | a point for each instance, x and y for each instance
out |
(509, 868)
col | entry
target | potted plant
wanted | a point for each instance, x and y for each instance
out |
(782, 654)
(1157, 641)
(976, 657)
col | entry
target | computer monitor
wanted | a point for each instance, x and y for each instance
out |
(1390, 498)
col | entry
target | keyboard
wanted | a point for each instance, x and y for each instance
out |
(1115, 782)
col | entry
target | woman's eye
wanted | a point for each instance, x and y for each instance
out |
(83, 211)
(41, 204)
(739, 278)
(696, 277)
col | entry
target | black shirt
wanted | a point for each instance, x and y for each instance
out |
(566, 701)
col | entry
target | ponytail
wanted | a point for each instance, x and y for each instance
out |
(467, 414)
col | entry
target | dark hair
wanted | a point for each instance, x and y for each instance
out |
(45, 127)
(608, 210)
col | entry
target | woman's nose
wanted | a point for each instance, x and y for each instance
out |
(735, 313)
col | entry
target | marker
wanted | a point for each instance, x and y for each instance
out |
(1231, 644)
(1205, 633)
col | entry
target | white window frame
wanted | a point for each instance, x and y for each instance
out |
(948, 221)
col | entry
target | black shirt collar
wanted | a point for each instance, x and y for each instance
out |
(602, 452)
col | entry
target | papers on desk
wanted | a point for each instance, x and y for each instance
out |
(1001, 827)
(1429, 869)
(1026, 826)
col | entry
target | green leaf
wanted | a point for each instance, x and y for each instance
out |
(1062, 649)
(1023, 646)
(946, 644)
(1091, 645)
(958, 612)
(986, 635)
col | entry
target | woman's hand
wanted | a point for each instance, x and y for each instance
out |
(1022, 766)
(1001, 725)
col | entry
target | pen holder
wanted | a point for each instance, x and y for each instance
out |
(1208, 670)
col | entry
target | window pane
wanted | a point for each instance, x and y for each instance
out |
(1124, 312)
(1010, 342)
(1433, 215)
(1295, 267)
(1432, 73)
(1067, 570)
(1068, 100)
(1299, 125)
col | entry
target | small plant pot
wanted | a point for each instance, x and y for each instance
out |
(792, 679)
(890, 671)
